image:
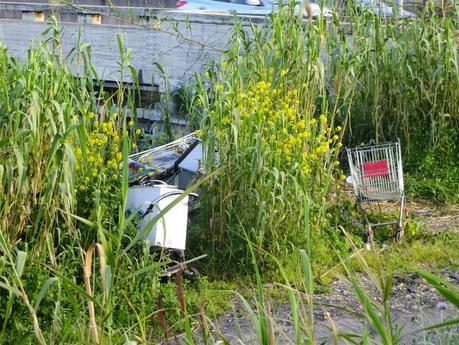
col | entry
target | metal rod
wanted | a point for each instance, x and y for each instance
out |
(384, 224)
(171, 270)
(402, 206)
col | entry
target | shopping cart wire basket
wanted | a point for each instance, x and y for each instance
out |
(377, 175)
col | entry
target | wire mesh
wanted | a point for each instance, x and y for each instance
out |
(377, 172)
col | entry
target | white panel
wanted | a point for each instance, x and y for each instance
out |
(170, 231)
(191, 162)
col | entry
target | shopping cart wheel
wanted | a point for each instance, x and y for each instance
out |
(191, 273)
(399, 234)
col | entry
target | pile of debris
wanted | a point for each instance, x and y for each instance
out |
(157, 178)
(176, 163)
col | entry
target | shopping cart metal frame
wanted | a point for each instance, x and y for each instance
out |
(377, 176)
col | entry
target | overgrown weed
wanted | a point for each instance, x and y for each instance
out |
(274, 119)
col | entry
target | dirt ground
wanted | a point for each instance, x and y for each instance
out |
(436, 217)
(414, 304)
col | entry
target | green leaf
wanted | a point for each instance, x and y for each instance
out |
(446, 323)
(108, 279)
(367, 302)
(41, 294)
(81, 219)
(255, 321)
(20, 262)
(147, 269)
(307, 271)
(188, 332)
(11, 289)
(445, 288)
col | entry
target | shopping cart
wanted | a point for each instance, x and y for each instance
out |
(377, 176)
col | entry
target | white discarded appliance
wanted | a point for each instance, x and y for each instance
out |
(170, 230)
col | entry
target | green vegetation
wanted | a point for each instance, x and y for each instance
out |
(273, 114)
(407, 81)
(63, 173)
(268, 121)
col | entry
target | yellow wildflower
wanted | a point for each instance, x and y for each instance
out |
(306, 169)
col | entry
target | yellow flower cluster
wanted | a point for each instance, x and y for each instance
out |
(290, 134)
(97, 165)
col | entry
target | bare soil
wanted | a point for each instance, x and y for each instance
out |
(414, 304)
(437, 218)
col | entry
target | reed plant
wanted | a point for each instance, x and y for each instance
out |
(60, 142)
(267, 123)
(73, 268)
(39, 110)
(288, 93)
(407, 80)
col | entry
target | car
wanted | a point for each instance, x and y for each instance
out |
(378, 7)
(244, 7)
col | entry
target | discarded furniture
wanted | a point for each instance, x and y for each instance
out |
(176, 163)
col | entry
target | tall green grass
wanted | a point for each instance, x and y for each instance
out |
(267, 122)
(284, 89)
(407, 80)
(39, 109)
(73, 269)
(273, 115)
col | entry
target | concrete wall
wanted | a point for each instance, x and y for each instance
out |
(147, 47)
(159, 43)
(130, 3)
